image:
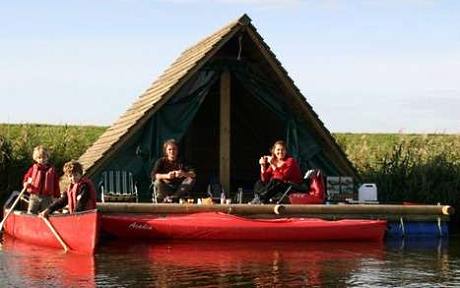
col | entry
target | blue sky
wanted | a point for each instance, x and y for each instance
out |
(364, 66)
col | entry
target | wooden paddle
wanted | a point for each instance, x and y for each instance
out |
(55, 233)
(16, 201)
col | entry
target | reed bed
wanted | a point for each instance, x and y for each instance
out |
(406, 167)
(18, 140)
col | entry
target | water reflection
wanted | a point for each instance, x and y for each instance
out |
(25, 265)
(433, 244)
(410, 262)
(225, 264)
(428, 262)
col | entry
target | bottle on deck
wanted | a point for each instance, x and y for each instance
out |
(222, 196)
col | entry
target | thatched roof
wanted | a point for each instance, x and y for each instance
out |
(190, 61)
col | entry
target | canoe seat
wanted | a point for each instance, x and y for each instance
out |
(118, 186)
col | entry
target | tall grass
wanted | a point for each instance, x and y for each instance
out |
(5, 162)
(18, 140)
(406, 167)
(414, 168)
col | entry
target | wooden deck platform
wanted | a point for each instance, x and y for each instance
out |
(334, 211)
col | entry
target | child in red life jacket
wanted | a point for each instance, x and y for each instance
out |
(79, 196)
(41, 181)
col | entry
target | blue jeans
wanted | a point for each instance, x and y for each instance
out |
(174, 190)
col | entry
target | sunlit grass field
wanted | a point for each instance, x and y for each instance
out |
(18, 140)
(367, 151)
(406, 167)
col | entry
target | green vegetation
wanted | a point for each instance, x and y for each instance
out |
(17, 142)
(406, 167)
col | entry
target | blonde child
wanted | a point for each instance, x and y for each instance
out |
(80, 195)
(41, 181)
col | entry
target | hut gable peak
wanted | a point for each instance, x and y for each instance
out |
(179, 72)
(157, 94)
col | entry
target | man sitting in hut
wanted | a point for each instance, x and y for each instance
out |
(172, 179)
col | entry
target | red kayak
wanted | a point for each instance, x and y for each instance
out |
(80, 231)
(221, 226)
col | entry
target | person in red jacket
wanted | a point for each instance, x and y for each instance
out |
(41, 181)
(276, 171)
(79, 196)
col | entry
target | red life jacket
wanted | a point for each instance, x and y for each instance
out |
(44, 180)
(315, 195)
(75, 189)
(317, 188)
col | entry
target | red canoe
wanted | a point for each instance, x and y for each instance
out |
(80, 231)
(221, 226)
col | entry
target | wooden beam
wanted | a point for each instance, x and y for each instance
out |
(224, 131)
(99, 162)
(343, 163)
(332, 211)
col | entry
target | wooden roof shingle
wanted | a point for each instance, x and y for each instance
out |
(157, 94)
(190, 61)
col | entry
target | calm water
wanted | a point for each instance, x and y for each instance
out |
(428, 263)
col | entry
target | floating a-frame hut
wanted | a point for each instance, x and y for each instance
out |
(226, 100)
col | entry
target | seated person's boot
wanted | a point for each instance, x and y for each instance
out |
(256, 199)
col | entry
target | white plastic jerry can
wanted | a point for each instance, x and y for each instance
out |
(367, 192)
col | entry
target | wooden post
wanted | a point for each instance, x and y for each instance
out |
(224, 132)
